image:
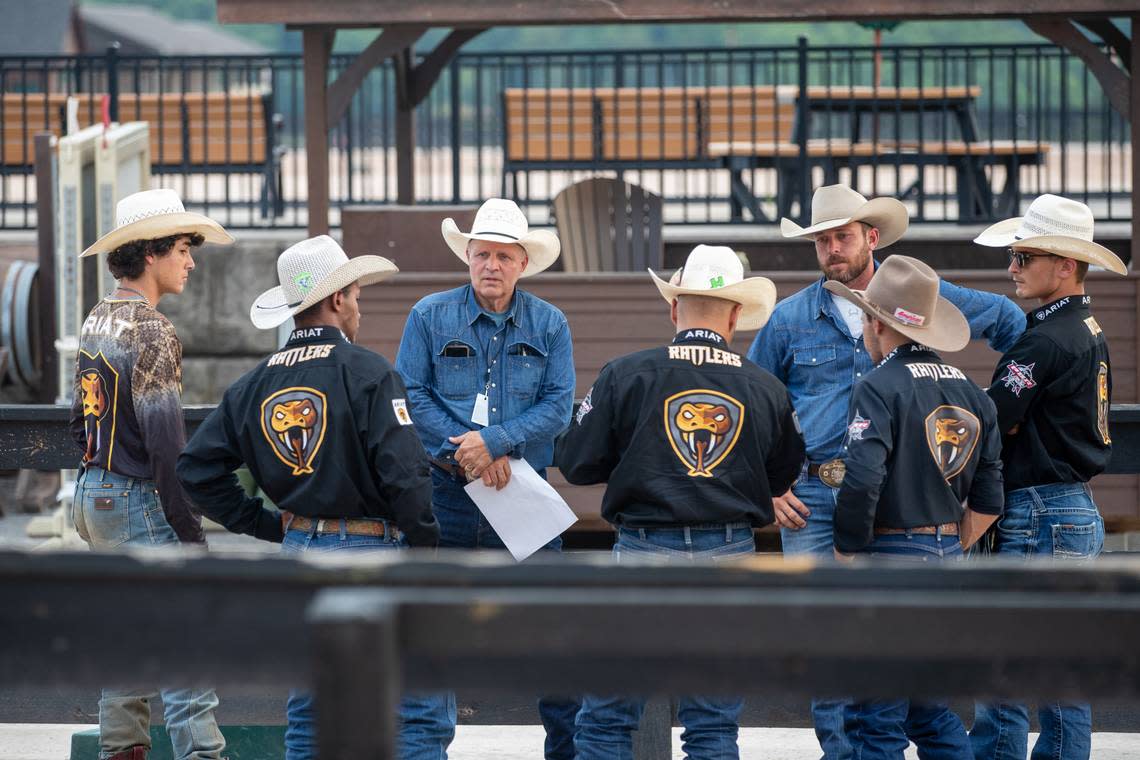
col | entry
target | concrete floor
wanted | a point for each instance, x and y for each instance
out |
(52, 742)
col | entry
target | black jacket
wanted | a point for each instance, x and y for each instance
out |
(921, 439)
(686, 434)
(324, 428)
(1055, 384)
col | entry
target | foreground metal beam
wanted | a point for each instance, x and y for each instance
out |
(35, 436)
(768, 626)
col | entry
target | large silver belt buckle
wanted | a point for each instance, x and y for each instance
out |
(832, 471)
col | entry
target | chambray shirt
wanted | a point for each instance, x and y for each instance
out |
(448, 345)
(807, 346)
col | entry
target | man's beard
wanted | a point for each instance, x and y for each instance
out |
(854, 271)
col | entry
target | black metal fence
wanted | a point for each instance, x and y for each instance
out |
(961, 133)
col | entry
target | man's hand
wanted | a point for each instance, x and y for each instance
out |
(498, 473)
(472, 454)
(844, 558)
(788, 510)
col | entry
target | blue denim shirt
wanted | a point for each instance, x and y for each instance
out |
(444, 355)
(807, 346)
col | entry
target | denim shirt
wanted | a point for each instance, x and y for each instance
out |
(444, 355)
(807, 346)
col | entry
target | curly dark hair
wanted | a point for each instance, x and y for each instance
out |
(129, 260)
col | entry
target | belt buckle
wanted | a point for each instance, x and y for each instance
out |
(832, 471)
(321, 525)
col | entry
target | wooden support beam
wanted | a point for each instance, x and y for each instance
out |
(405, 131)
(317, 44)
(1112, 36)
(1112, 80)
(425, 75)
(388, 43)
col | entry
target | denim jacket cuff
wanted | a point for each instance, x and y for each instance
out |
(498, 444)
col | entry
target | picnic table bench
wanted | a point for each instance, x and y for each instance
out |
(231, 132)
(740, 128)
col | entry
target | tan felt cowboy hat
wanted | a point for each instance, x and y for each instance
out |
(716, 271)
(904, 295)
(311, 271)
(836, 205)
(501, 221)
(151, 214)
(1055, 225)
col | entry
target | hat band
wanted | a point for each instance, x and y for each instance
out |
(147, 214)
(494, 232)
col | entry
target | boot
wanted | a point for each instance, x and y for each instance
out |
(137, 752)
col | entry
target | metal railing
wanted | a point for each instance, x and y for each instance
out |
(991, 127)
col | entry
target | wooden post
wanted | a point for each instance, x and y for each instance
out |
(317, 45)
(405, 130)
(46, 190)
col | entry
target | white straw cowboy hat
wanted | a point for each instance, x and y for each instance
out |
(1055, 225)
(501, 221)
(836, 205)
(311, 271)
(716, 271)
(154, 214)
(904, 295)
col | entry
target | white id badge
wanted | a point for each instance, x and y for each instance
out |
(479, 413)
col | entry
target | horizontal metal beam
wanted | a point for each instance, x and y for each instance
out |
(487, 13)
(763, 627)
(35, 436)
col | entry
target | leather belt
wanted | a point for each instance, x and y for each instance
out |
(353, 527)
(451, 468)
(830, 472)
(946, 529)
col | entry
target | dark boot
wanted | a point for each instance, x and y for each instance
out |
(137, 752)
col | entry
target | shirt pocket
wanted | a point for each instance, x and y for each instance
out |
(456, 376)
(814, 369)
(526, 364)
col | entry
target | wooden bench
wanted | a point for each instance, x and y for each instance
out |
(199, 132)
(742, 128)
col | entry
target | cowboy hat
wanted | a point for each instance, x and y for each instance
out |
(501, 221)
(836, 205)
(716, 271)
(311, 271)
(152, 214)
(1055, 225)
(903, 294)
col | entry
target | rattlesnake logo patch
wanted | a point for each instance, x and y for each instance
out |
(703, 427)
(100, 398)
(952, 434)
(294, 421)
(1102, 402)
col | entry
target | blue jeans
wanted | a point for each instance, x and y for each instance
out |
(1058, 521)
(882, 729)
(111, 510)
(605, 723)
(463, 526)
(427, 722)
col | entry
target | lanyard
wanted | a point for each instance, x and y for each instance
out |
(487, 353)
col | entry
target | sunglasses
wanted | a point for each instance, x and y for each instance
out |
(1022, 258)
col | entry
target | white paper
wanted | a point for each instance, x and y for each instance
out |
(527, 514)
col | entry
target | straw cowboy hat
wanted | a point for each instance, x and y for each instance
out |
(152, 214)
(311, 271)
(501, 221)
(904, 295)
(836, 205)
(1055, 225)
(716, 271)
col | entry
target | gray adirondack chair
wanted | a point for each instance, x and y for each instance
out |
(607, 225)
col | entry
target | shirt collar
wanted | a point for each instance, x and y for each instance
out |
(474, 310)
(822, 295)
(907, 350)
(314, 334)
(1069, 305)
(700, 335)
